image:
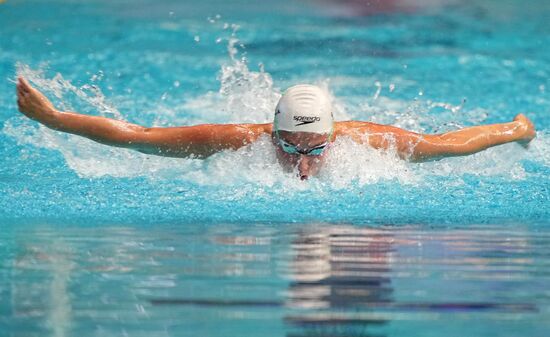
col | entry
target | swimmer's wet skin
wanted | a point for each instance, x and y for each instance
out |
(302, 131)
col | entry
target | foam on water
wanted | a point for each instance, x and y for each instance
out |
(249, 96)
(244, 96)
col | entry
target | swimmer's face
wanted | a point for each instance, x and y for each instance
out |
(305, 142)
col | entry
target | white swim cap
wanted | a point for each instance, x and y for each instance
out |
(304, 108)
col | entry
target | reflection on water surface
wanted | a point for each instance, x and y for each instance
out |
(298, 280)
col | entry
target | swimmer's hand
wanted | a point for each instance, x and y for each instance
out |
(525, 130)
(33, 104)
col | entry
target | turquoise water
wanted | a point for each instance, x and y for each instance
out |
(103, 241)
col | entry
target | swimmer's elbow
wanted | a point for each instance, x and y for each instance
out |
(436, 147)
(132, 137)
(154, 141)
(429, 148)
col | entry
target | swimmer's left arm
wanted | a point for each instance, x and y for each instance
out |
(420, 147)
(474, 139)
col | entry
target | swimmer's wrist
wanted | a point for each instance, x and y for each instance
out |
(52, 118)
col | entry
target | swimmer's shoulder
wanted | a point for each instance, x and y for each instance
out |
(258, 129)
(251, 132)
(351, 128)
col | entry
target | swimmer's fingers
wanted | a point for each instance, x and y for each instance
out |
(21, 95)
(22, 88)
(19, 85)
(24, 84)
(21, 100)
(21, 92)
(24, 97)
(28, 91)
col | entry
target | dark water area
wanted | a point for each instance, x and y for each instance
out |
(294, 280)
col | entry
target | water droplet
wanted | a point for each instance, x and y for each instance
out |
(197, 38)
(176, 84)
(378, 89)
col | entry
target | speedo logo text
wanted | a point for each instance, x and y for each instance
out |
(302, 120)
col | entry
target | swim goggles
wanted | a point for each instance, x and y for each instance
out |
(293, 149)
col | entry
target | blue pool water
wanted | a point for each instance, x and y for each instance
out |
(97, 241)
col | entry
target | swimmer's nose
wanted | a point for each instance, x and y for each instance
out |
(304, 166)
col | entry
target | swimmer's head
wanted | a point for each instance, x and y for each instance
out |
(303, 128)
(304, 108)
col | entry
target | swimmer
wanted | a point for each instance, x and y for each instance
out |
(302, 132)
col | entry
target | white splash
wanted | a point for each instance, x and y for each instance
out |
(504, 160)
(244, 96)
(249, 96)
(539, 149)
(59, 87)
(350, 162)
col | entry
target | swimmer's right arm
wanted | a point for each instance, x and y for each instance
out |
(186, 141)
